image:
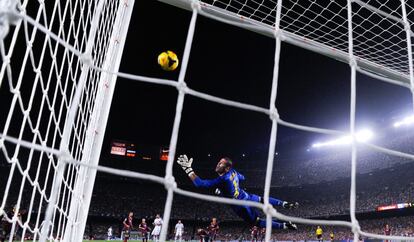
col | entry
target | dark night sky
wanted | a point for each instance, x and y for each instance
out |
(236, 64)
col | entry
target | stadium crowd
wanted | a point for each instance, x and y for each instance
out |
(316, 200)
(400, 226)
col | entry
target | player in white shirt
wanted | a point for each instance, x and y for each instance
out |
(157, 228)
(179, 230)
(110, 233)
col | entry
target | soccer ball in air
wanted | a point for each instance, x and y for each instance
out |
(168, 60)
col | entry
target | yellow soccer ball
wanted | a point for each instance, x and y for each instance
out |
(168, 60)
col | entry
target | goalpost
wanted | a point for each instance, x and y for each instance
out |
(58, 100)
(59, 87)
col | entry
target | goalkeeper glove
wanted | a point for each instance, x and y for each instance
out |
(290, 205)
(185, 163)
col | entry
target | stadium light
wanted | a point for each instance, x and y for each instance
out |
(406, 121)
(364, 135)
(361, 136)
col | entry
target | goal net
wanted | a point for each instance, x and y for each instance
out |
(53, 109)
(54, 87)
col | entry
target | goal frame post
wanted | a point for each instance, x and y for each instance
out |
(84, 184)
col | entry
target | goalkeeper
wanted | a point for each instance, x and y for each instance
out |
(227, 185)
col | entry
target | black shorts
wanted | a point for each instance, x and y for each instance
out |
(6, 228)
(126, 233)
(319, 236)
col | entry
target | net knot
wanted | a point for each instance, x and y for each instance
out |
(37, 70)
(26, 112)
(86, 58)
(268, 209)
(182, 87)
(274, 114)
(15, 91)
(65, 156)
(356, 229)
(14, 160)
(170, 183)
(6, 59)
(25, 173)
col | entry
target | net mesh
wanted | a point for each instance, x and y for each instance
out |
(54, 92)
(378, 26)
(43, 82)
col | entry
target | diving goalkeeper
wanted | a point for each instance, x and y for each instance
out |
(227, 185)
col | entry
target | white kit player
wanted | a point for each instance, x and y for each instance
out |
(109, 233)
(179, 230)
(157, 228)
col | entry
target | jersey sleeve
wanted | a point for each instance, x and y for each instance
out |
(241, 177)
(198, 182)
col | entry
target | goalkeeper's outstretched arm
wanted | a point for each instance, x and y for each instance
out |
(186, 163)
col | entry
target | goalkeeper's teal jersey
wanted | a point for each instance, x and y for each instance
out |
(229, 184)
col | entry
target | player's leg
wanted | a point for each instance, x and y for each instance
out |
(248, 214)
(274, 201)
(6, 228)
(126, 235)
(284, 204)
(251, 216)
(277, 224)
(3, 235)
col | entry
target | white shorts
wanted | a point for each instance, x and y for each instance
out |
(156, 231)
(179, 234)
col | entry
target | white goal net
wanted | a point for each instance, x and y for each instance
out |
(53, 109)
(60, 59)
